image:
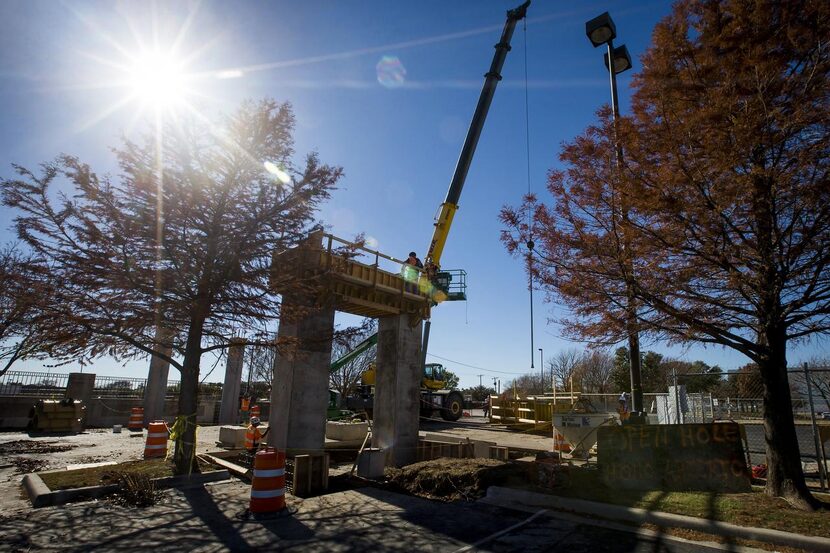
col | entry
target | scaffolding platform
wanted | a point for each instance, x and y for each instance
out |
(350, 277)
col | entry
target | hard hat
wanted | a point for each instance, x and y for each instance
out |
(413, 254)
(255, 420)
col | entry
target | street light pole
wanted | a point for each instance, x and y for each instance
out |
(601, 30)
(542, 368)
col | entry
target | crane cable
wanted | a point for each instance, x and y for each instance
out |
(530, 243)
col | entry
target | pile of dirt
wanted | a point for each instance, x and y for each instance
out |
(451, 479)
(26, 465)
(32, 447)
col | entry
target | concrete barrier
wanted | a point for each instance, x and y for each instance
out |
(100, 412)
(346, 431)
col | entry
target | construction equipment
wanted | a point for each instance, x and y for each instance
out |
(434, 394)
(443, 280)
(446, 285)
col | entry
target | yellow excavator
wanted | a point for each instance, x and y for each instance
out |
(446, 285)
(435, 396)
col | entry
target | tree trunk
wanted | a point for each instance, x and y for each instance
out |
(785, 477)
(184, 456)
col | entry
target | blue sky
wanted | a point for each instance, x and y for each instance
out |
(384, 89)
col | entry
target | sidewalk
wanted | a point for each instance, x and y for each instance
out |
(526, 500)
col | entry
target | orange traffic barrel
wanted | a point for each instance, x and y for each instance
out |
(246, 402)
(156, 445)
(255, 410)
(136, 423)
(559, 443)
(268, 485)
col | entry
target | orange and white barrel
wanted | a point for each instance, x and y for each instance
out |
(268, 485)
(245, 404)
(157, 435)
(136, 422)
(255, 410)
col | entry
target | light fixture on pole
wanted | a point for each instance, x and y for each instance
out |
(602, 30)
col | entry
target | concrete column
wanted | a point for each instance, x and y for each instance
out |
(229, 409)
(80, 386)
(156, 389)
(397, 390)
(300, 388)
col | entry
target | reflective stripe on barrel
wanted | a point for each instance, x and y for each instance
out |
(156, 445)
(268, 484)
(266, 493)
(269, 473)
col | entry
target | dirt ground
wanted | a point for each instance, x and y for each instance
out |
(21, 452)
(213, 518)
(452, 479)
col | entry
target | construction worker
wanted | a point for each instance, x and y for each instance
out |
(409, 271)
(409, 274)
(253, 436)
(413, 260)
(622, 408)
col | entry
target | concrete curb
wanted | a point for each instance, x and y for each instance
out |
(505, 496)
(41, 496)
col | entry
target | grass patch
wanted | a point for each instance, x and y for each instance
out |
(111, 474)
(744, 509)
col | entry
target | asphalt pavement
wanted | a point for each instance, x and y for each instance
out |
(213, 518)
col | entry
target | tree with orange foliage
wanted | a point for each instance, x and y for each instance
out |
(726, 184)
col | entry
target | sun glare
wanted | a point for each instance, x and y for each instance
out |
(158, 80)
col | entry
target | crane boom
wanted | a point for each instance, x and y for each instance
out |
(492, 78)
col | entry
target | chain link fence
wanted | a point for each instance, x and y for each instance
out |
(738, 396)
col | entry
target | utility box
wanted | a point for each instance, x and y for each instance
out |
(371, 463)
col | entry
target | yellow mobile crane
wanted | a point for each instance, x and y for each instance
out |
(432, 260)
(433, 396)
(450, 285)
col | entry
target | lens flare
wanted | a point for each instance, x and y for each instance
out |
(391, 72)
(280, 175)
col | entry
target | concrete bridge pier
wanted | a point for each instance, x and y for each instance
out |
(156, 390)
(229, 409)
(397, 389)
(300, 389)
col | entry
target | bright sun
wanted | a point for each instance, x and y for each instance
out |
(158, 80)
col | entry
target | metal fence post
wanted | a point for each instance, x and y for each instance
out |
(676, 397)
(819, 461)
(712, 406)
